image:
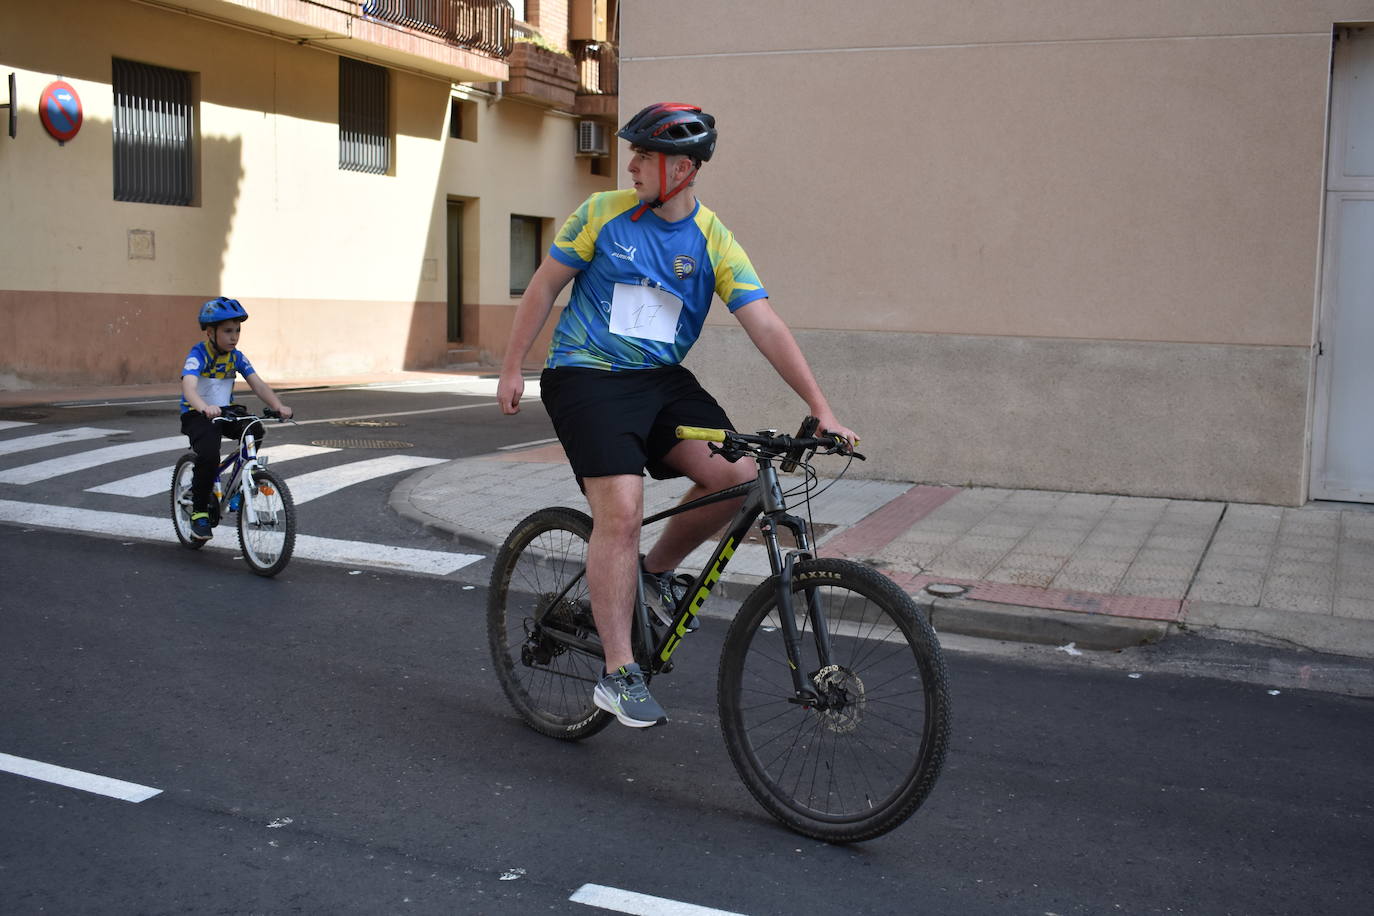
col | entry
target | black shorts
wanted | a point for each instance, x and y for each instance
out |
(623, 422)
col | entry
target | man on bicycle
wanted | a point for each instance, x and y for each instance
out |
(644, 263)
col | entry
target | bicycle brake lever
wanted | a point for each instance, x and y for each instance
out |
(729, 454)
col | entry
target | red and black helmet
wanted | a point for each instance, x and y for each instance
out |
(674, 128)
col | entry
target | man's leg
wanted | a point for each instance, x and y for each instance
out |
(204, 436)
(612, 560)
(688, 531)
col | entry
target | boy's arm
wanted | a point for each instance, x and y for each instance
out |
(548, 281)
(773, 339)
(268, 396)
(192, 395)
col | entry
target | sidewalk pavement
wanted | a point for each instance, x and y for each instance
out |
(1098, 571)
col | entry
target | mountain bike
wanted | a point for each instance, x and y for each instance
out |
(266, 512)
(831, 692)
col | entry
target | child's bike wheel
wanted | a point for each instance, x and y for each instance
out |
(181, 501)
(268, 540)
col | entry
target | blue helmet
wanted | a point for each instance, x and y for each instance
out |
(221, 309)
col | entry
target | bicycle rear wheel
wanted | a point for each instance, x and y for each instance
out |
(538, 584)
(857, 761)
(181, 500)
(268, 540)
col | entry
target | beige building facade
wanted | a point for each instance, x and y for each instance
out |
(1082, 246)
(404, 257)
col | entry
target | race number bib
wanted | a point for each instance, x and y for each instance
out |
(645, 311)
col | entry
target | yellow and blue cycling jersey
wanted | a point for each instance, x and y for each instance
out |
(644, 286)
(215, 371)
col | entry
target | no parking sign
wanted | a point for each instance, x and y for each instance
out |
(59, 108)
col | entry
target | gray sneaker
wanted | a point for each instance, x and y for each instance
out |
(624, 694)
(663, 591)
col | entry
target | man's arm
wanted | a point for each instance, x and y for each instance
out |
(548, 281)
(773, 339)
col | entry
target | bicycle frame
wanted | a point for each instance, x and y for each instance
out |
(763, 498)
(241, 463)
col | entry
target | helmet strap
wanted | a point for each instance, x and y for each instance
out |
(662, 181)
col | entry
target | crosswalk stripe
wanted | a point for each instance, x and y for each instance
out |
(13, 424)
(43, 440)
(321, 483)
(144, 527)
(160, 481)
(56, 467)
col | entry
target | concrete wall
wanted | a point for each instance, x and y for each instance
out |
(1076, 244)
(342, 272)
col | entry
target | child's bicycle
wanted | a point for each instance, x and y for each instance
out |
(266, 513)
(831, 692)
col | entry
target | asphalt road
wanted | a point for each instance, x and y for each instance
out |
(332, 741)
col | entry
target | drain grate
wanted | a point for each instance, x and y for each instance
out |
(16, 413)
(361, 443)
(367, 424)
(153, 412)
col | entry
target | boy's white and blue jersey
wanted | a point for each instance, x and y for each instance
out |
(215, 371)
(644, 287)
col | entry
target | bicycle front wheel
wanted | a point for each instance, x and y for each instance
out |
(181, 500)
(267, 540)
(539, 591)
(855, 758)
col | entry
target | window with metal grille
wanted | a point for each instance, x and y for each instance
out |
(364, 122)
(154, 134)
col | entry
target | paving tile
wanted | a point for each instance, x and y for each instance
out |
(1034, 561)
(1086, 582)
(1106, 552)
(961, 562)
(1245, 593)
(1358, 608)
(996, 529)
(1299, 569)
(1147, 587)
(1305, 585)
(1297, 601)
(1285, 553)
(1240, 550)
(1028, 577)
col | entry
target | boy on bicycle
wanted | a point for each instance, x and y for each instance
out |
(207, 386)
(644, 263)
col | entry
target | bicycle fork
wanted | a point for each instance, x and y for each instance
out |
(784, 567)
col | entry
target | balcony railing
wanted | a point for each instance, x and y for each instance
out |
(598, 67)
(482, 25)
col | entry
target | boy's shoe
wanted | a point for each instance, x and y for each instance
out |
(625, 695)
(663, 591)
(201, 529)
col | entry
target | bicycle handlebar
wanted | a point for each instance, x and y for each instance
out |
(234, 412)
(770, 444)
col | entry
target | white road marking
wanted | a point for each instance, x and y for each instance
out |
(613, 898)
(149, 528)
(13, 424)
(76, 779)
(160, 481)
(508, 448)
(56, 467)
(321, 483)
(398, 413)
(43, 440)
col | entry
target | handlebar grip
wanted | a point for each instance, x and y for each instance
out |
(701, 433)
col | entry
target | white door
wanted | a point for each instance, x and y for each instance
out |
(1343, 428)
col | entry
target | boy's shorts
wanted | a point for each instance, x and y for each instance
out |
(623, 422)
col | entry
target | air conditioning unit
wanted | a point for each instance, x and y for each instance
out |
(591, 139)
